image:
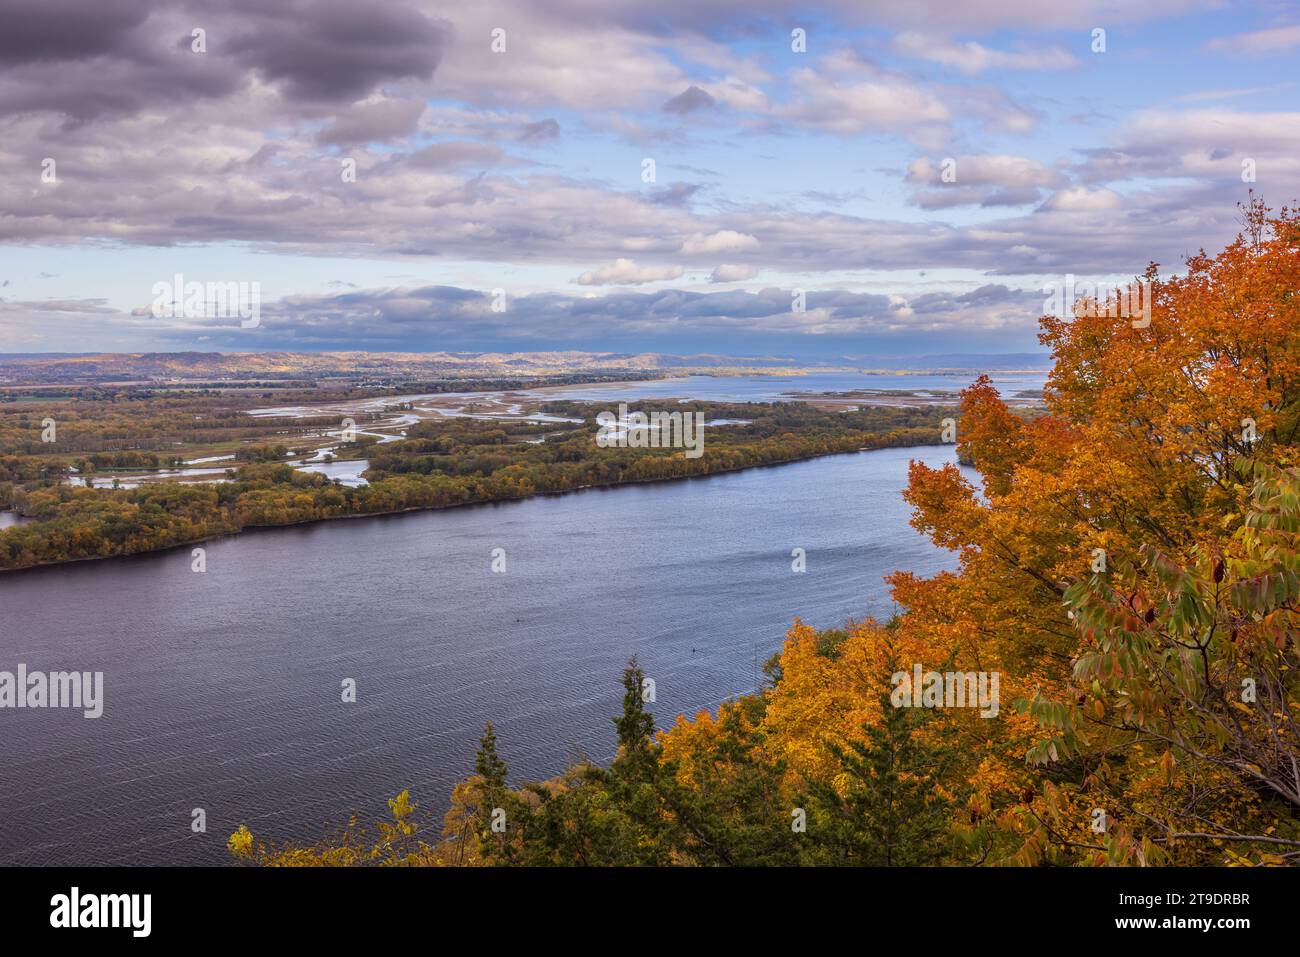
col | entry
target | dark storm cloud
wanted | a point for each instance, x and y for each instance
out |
(337, 49)
(127, 58)
(88, 59)
(43, 30)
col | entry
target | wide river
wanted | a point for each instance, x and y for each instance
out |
(222, 689)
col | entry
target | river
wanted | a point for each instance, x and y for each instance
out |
(222, 688)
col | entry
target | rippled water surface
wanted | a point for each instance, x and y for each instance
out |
(222, 690)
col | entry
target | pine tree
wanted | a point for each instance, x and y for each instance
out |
(487, 763)
(494, 794)
(736, 811)
(635, 725)
(599, 817)
(890, 813)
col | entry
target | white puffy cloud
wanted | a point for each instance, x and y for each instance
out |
(722, 241)
(729, 272)
(625, 272)
(1083, 199)
(847, 94)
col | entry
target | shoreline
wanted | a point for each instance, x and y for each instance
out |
(44, 566)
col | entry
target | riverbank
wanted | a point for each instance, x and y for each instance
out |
(24, 541)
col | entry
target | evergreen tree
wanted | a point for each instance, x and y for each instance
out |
(890, 812)
(598, 817)
(736, 811)
(636, 824)
(487, 763)
(635, 725)
(495, 795)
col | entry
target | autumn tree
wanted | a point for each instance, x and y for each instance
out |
(1088, 562)
(886, 807)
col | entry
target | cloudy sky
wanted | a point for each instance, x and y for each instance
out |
(623, 175)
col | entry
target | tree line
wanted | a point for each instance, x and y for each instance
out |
(441, 463)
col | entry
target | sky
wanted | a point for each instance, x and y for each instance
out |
(847, 179)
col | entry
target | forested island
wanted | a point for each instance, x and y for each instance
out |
(433, 463)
